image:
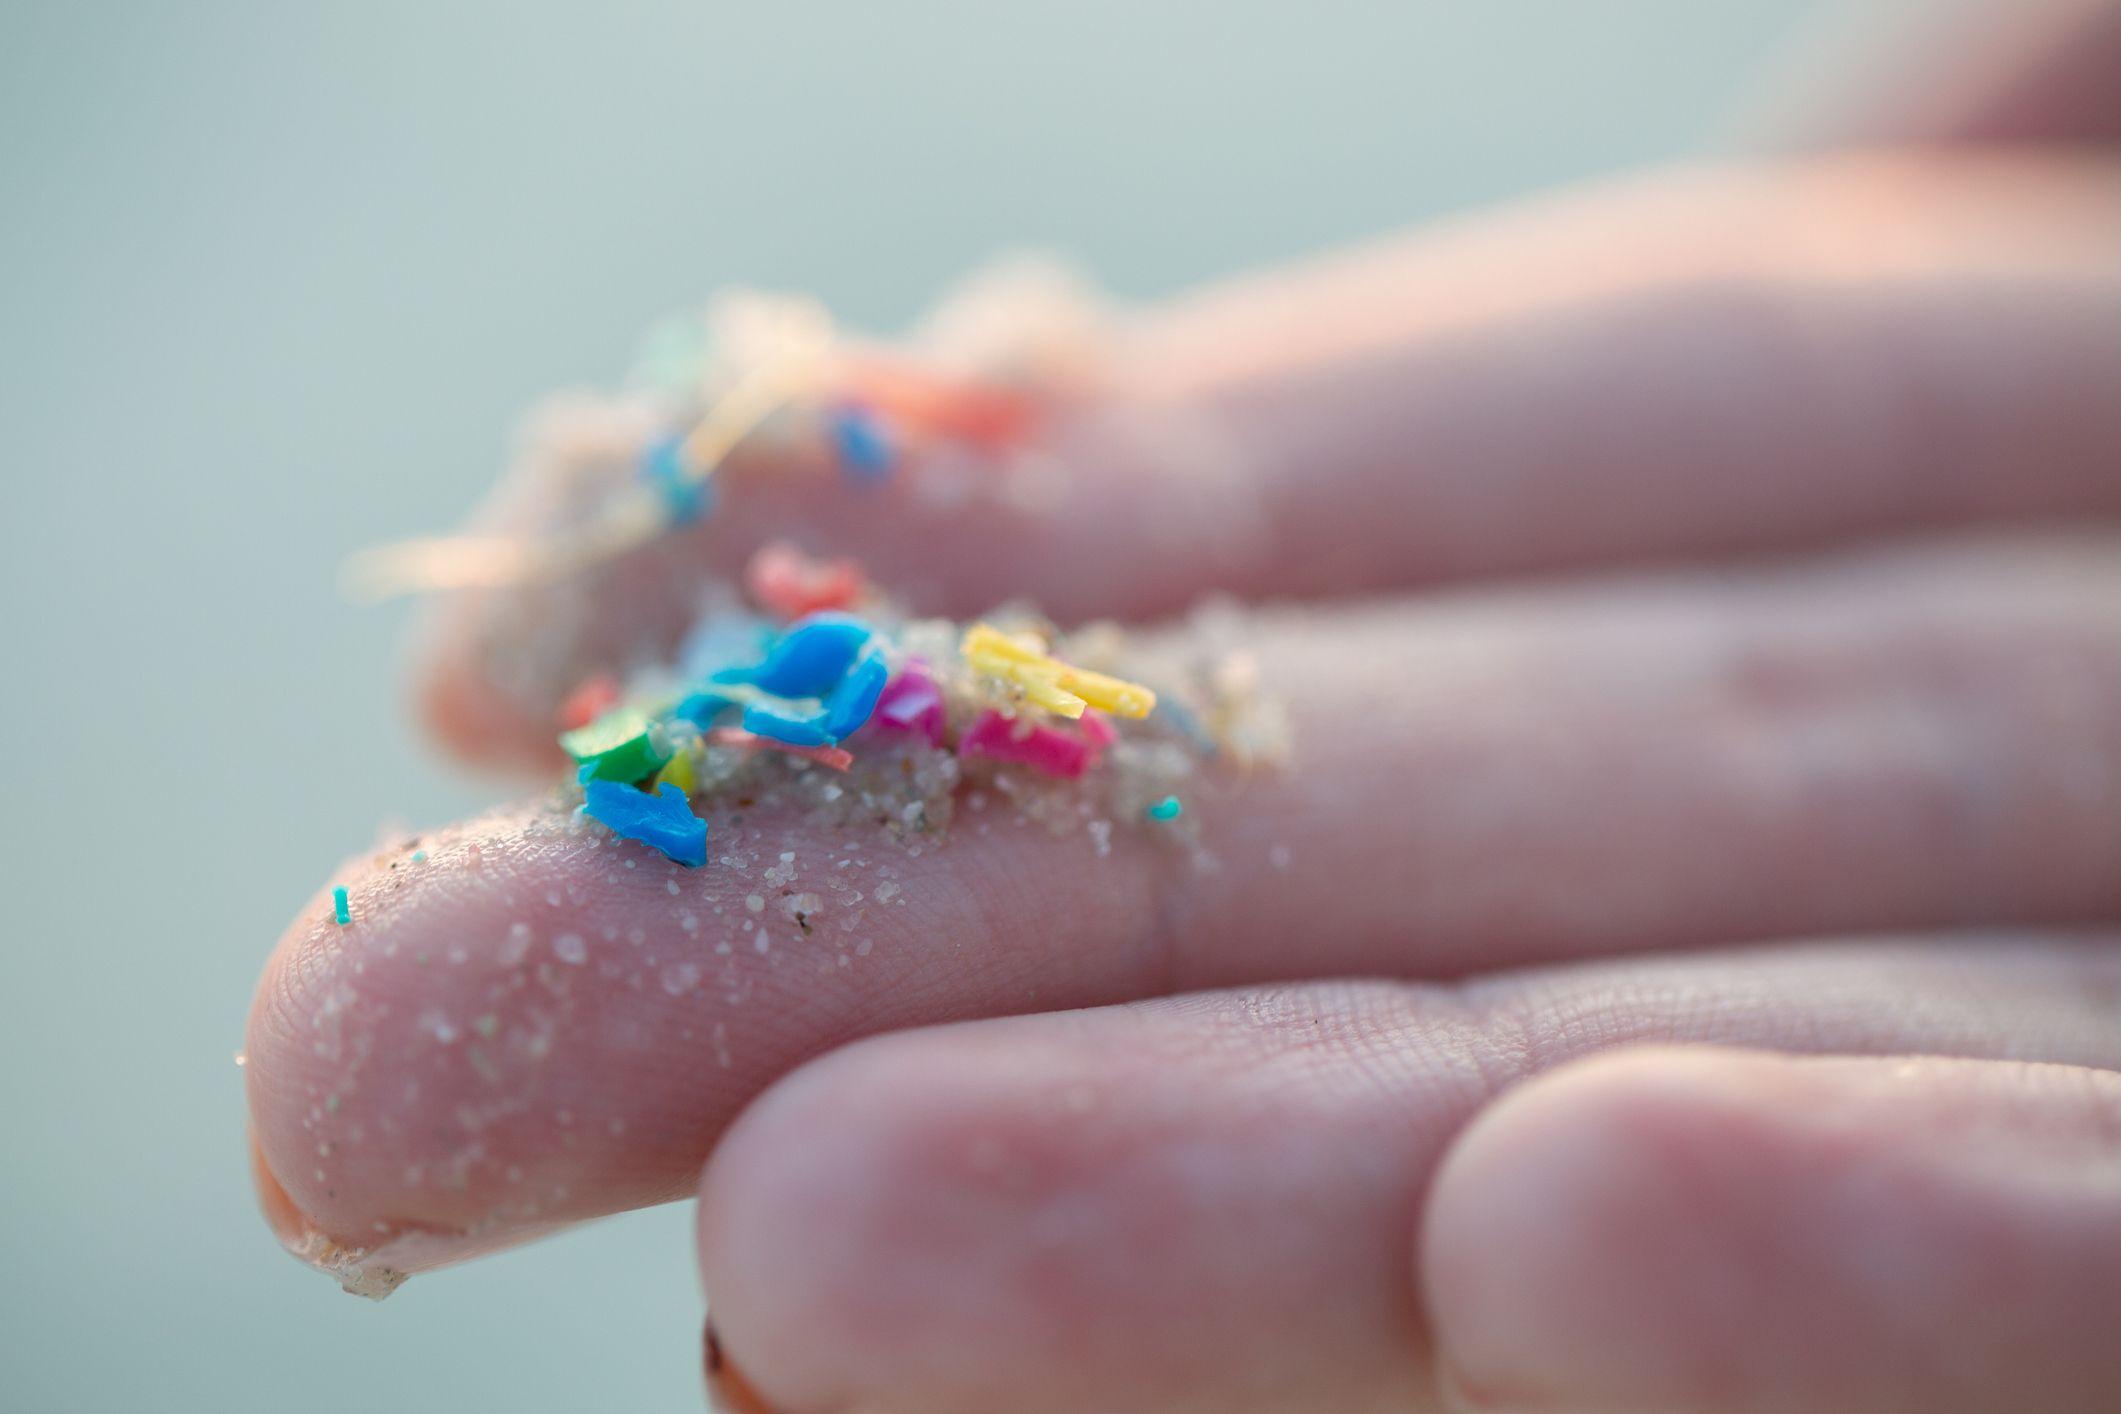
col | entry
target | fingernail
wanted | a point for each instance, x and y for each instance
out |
(378, 1266)
(355, 1268)
(727, 1389)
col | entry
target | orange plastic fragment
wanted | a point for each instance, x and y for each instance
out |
(988, 416)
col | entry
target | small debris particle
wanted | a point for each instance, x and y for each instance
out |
(755, 902)
(339, 911)
(1169, 808)
(419, 856)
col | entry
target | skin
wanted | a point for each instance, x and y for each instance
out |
(1687, 978)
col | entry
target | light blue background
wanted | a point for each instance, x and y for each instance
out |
(274, 281)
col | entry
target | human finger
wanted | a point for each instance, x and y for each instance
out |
(1711, 1233)
(529, 1022)
(2027, 72)
(1212, 1202)
(1693, 364)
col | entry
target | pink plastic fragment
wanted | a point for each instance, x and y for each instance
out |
(1049, 749)
(831, 757)
(911, 702)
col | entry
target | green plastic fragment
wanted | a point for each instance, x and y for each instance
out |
(1166, 809)
(620, 746)
(339, 912)
(419, 856)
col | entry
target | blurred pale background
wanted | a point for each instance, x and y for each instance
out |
(275, 280)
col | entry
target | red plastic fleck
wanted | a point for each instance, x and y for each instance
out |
(832, 757)
(592, 698)
(785, 581)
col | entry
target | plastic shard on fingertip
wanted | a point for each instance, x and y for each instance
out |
(686, 498)
(809, 658)
(1046, 681)
(623, 745)
(862, 444)
(679, 773)
(1053, 750)
(831, 757)
(791, 584)
(911, 702)
(838, 714)
(661, 819)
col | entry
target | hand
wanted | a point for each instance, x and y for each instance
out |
(1585, 1122)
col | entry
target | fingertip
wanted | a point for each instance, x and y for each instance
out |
(1546, 1226)
(729, 1389)
(927, 1222)
(817, 1242)
(1701, 1230)
(489, 665)
(469, 1061)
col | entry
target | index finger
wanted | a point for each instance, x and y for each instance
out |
(527, 1022)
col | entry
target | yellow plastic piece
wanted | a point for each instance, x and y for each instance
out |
(677, 771)
(1047, 681)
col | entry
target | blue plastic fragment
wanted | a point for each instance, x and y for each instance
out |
(851, 703)
(701, 707)
(1172, 710)
(865, 451)
(662, 821)
(797, 728)
(809, 659)
(840, 709)
(1168, 808)
(721, 641)
(685, 498)
(339, 912)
